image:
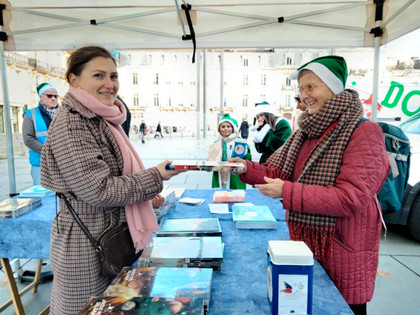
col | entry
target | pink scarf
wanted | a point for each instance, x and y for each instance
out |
(141, 219)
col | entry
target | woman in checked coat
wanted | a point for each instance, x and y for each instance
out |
(328, 174)
(89, 159)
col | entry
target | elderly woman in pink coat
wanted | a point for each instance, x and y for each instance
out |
(328, 174)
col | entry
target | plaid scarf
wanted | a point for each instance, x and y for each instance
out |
(333, 124)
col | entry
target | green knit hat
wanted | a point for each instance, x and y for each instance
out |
(262, 107)
(232, 121)
(41, 88)
(332, 70)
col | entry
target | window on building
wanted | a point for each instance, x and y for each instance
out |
(245, 79)
(288, 81)
(135, 78)
(287, 104)
(263, 79)
(259, 61)
(245, 100)
(170, 102)
(180, 83)
(156, 82)
(162, 59)
(262, 98)
(246, 62)
(136, 99)
(289, 61)
(156, 99)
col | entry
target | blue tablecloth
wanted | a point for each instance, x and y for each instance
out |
(28, 236)
(239, 288)
(202, 211)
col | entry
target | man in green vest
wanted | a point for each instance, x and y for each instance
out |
(36, 122)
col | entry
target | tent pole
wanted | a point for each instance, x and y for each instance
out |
(376, 79)
(377, 31)
(204, 93)
(7, 121)
(221, 81)
(198, 115)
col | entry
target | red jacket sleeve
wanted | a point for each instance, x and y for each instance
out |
(255, 173)
(363, 171)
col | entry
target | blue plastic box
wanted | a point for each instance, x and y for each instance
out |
(290, 270)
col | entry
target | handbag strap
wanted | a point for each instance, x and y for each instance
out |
(94, 242)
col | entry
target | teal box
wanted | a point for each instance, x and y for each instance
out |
(290, 272)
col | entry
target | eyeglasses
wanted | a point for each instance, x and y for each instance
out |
(51, 95)
(309, 88)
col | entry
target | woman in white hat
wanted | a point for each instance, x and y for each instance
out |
(328, 174)
(271, 131)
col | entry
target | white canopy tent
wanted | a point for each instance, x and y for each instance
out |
(139, 24)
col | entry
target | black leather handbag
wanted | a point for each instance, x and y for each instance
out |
(115, 247)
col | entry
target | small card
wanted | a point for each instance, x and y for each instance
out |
(192, 201)
(219, 208)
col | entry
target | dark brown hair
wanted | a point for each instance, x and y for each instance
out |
(271, 120)
(79, 58)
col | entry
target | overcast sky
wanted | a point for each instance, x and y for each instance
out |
(406, 46)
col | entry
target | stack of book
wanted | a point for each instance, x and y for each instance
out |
(142, 305)
(36, 191)
(190, 227)
(186, 252)
(181, 284)
(229, 196)
(14, 207)
(170, 201)
(253, 217)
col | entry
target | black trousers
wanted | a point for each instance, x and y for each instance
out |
(359, 309)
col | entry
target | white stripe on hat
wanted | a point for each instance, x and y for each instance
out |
(325, 74)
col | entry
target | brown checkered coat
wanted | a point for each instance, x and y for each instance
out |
(81, 158)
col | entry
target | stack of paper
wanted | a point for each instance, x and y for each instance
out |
(229, 196)
(198, 252)
(190, 227)
(170, 283)
(253, 217)
(14, 207)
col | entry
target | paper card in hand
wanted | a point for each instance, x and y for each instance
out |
(239, 149)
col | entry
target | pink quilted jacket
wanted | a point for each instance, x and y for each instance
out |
(365, 167)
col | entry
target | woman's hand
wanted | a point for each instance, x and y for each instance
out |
(167, 174)
(273, 188)
(158, 201)
(238, 160)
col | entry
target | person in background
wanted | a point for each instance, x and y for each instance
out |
(227, 146)
(328, 175)
(271, 131)
(126, 124)
(158, 131)
(36, 122)
(142, 130)
(89, 159)
(244, 129)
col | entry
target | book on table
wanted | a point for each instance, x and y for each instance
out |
(253, 217)
(164, 282)
(236, 195)
(14, 207)
(190, 227)
(199, 165)
(180, 251)
(142, 305)
(36, 191)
